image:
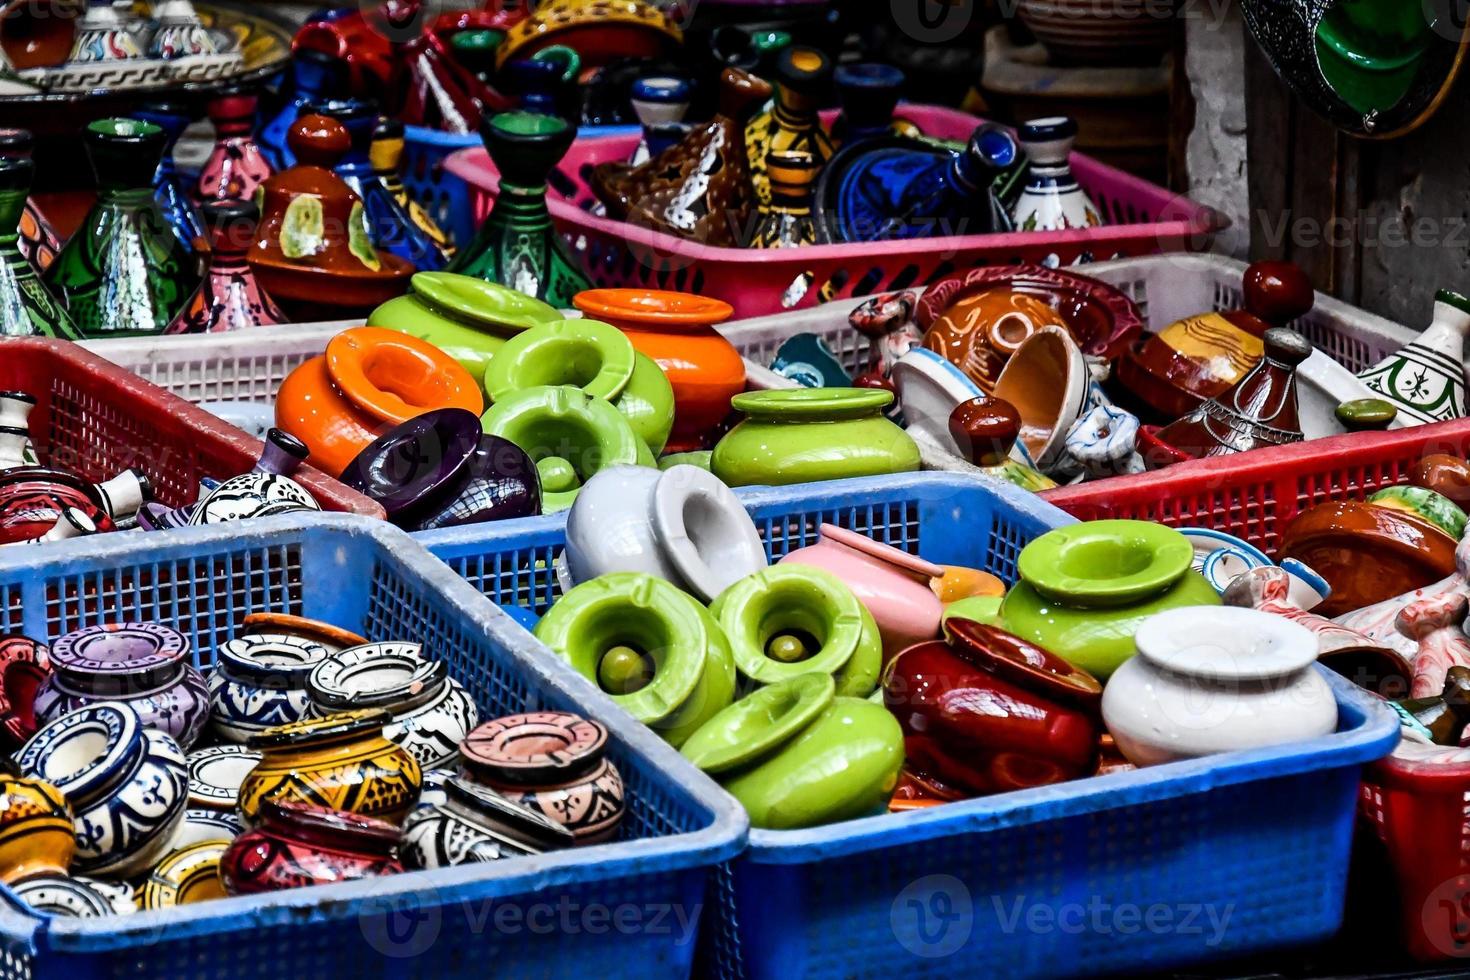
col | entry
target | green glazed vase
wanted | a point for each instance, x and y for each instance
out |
(596, 357)
(653, 648)
(802, 435)
(797, 755)
(517, 245)
(124, 272)
(1086, 588)
(570, 434)
(27, 308)
(788, 620)
(467, 318)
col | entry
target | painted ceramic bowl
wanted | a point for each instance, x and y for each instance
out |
(466, 317)
(570, 434)
(75, 897)
(439, 470)
(300, 844)
(24, 667)
(1217, 680)
(678, 331)
(341, 762)
(795, 619)
(804, 435)
(431, 712)
(145, 665)
(796, 755)
(653, 648)
(1085, 589)
(893, 585)
(215, 775)
(369, 380)
(36, 829)
(682, 525)
(930, 389)
(1048, 382)
(259, 682)
(988, 712)
(476, 824)
(126, 784)
(554, 764)
(185, 876)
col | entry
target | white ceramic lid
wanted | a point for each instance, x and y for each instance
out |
(1225, 643)
(929, 389)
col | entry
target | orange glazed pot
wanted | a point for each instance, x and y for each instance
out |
(677, 331)
(369, 380)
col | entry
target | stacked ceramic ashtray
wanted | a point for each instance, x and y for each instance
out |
(307, 755)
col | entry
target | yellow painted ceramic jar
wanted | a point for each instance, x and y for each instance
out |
(341, 761)
(37, 835)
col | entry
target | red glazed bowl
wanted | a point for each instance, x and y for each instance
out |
(299, 844)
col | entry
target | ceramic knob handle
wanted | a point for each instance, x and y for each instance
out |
(1287, 346)
(1444, 474)
(985, 428)
(319, 141)
(1277, 292)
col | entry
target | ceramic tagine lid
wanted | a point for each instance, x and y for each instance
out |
(541, 748)
(119, 658)
(600, 30)
(313, 245)
(229, 298)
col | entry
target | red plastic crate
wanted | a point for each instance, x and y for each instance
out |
(96, 419)
(1143, 219)
(1255, 495)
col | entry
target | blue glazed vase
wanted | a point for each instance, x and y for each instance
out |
(168, 185)
(316, 75)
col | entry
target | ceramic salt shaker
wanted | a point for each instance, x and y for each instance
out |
(1211, 679)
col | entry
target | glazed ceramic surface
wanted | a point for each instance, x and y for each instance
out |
(24, 667)
(1216, 680)
(796, 755)
(300, 844)
(145, 665)
(988, 712)
(610, 629)
(201, 826)
(386, 155)
(27, 307)
(170, 187)
(930, 388)
(790, 125)
(893, 585)
(1426, 379)
(681, 524)
(341, 761)
(473, 824)
(36, 829)
(34, 498)
(259, 682)
(805, 435)
(185, 876)
(554, 764)
(236, 167)
(431, 711)
(125, 783)
(215, 775)
(795, 619)
(1048, 382)
(229, 298)
(1085, 589)
(1052, 199)
(75, 897)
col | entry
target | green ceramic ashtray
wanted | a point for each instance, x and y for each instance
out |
(811, 404)
(648, 403)
(755, 725)
(1105, 563)
(1434, 507)
(668, 662)
(596, 357)
(570, 434)
(788, 620)
(699, 458)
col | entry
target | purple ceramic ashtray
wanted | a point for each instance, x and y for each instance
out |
(120, 648)
(440, 470)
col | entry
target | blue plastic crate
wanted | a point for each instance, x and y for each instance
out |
(625, 906)
(1054, 881)
(442, 194)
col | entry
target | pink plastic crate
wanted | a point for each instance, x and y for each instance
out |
(1143, 219)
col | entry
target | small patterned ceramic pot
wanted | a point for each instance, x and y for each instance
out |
(24, 667)
(341, 762)
(474, 824)
(125, 783)
(431, 712)
(185, 876)
(265, 491)
(298, 844)
(145, 665)
(35, 830)
(259, 682)
(215, 775)
(75, 897)
(552, 762)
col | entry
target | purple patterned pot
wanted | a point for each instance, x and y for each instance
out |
(440, 470)
(145, 665)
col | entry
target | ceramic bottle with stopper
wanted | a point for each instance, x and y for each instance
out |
(1052, 199)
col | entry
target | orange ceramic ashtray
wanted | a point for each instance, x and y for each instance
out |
(678, 331)
(369, 380)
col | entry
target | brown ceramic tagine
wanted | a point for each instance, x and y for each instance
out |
(312, 246)
(1259, 411)
(699, 188)
(1198, 358)
(978, 319)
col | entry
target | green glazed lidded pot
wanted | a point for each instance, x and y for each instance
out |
(795, 754)
(653, 648)
(803, 435)
(1086, 588)
(467, 318)
(517, 246)
(124, 273)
